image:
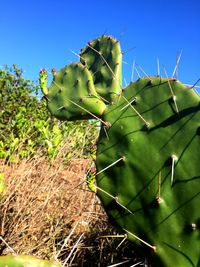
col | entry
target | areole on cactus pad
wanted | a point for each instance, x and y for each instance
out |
(147, 159)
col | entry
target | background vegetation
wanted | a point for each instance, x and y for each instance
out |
(26, 128)
(46, 209)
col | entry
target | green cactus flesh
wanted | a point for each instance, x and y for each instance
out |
(25, 261)
(72, 94)
(148, 169)
(103, 58)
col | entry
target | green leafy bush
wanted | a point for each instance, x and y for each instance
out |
(26, 127)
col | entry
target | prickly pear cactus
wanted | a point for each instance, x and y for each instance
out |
(148, 153)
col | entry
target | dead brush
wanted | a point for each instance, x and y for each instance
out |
(41, 205)
(48, 212)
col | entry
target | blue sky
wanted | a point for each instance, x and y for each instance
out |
(37, 34)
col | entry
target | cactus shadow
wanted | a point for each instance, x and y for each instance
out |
(176, 117)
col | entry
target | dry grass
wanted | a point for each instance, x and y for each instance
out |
(48, 212)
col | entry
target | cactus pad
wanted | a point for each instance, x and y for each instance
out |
(103, 58)
(72, 94)
(149, 169)
(25, 261)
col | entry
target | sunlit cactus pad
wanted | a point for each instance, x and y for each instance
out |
(149, 168)
(72, 94)
(25, 261)
(103, 58)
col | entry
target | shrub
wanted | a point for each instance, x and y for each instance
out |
(26, 127)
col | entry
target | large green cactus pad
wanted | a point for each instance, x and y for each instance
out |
(149, 169)
(103, 58)
(72, 94)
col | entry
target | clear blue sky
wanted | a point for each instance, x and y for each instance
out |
(37, 34)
